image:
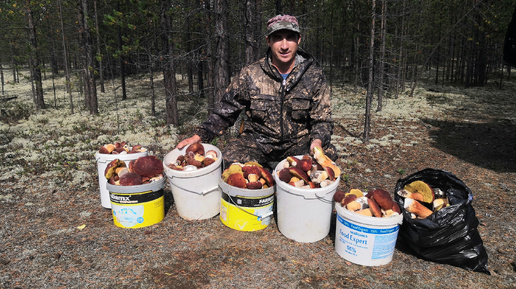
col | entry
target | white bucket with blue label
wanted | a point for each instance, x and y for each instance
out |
(365, 240)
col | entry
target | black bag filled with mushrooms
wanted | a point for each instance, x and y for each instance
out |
(439, 222)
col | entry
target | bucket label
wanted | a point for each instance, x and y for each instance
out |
(136, 210)
(358, 243)
(135, 198)
(246, 214)
(248, 201)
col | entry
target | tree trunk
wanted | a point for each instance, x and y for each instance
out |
(221, 80)
(370, 86)
(187, 40)
(381, 73)
(65, 57)
(2, 78)
(258, 29)
(210, 62)
(279, 7)
(99, 54)
(121, 58)
(169, 72)
(250, 40)
(35, 61)
(90, 90)
(151, 79)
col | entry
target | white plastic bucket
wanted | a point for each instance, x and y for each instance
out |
(102, 161)
(196, 193)
(365, 240)
(304, 215)
(137, 206)
(246, 210)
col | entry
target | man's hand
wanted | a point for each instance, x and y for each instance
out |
(315, 143)
(188, 141)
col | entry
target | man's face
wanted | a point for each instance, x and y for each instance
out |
(283, 44)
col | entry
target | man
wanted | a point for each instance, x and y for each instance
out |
(286, 101)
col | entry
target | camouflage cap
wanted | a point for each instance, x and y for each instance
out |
(281, 22)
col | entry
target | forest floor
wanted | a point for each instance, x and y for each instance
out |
(55, 234)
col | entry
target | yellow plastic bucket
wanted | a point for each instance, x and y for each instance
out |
(246, 210)
(137, 206)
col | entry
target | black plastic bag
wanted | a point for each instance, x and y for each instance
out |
(450, 235)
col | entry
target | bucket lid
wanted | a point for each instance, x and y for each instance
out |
(172, 156)
(154, 186)
(349, 215)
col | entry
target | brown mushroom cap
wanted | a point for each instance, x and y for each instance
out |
(131, 179)
(103, 150)
(339, 196)
(196, 148)
(250, 169)
(304, 164)
(285, 175)
(299, 173)
(375, 208)
(233, 168)
(330, 172)
(348, 199)
(267, 176)
(147, 166)
(254, 185)
(292, 160)
(237, 180)
(208, 161)
(383, 199)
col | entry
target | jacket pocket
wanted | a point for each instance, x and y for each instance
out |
(300, 109)
(261, 107)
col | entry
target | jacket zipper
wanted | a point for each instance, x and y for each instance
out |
(282, 100)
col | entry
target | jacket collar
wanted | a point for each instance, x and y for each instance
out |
(303, 60)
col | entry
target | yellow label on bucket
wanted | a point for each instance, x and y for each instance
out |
(137, 210)
(245, 213)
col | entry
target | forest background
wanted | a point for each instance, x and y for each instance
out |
(76, 75)
(382, 46)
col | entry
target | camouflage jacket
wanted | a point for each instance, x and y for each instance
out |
(278, 111)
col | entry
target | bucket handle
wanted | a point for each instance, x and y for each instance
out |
(319, 195)
(322, 199)
(259, 217)
(201, 193)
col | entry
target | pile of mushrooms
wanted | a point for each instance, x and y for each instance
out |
(143, 170)
(194, 158)
(251, 175)
(376, 203)
(421, 200)
(307, 172)
(120, 148)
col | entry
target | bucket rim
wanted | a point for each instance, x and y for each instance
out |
(315, 193)
(312, 193)
(172, 156)
(154, 186)
(366, 220)
(99, 157)
(235, 191)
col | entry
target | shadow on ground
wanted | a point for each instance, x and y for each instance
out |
(488, 145)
